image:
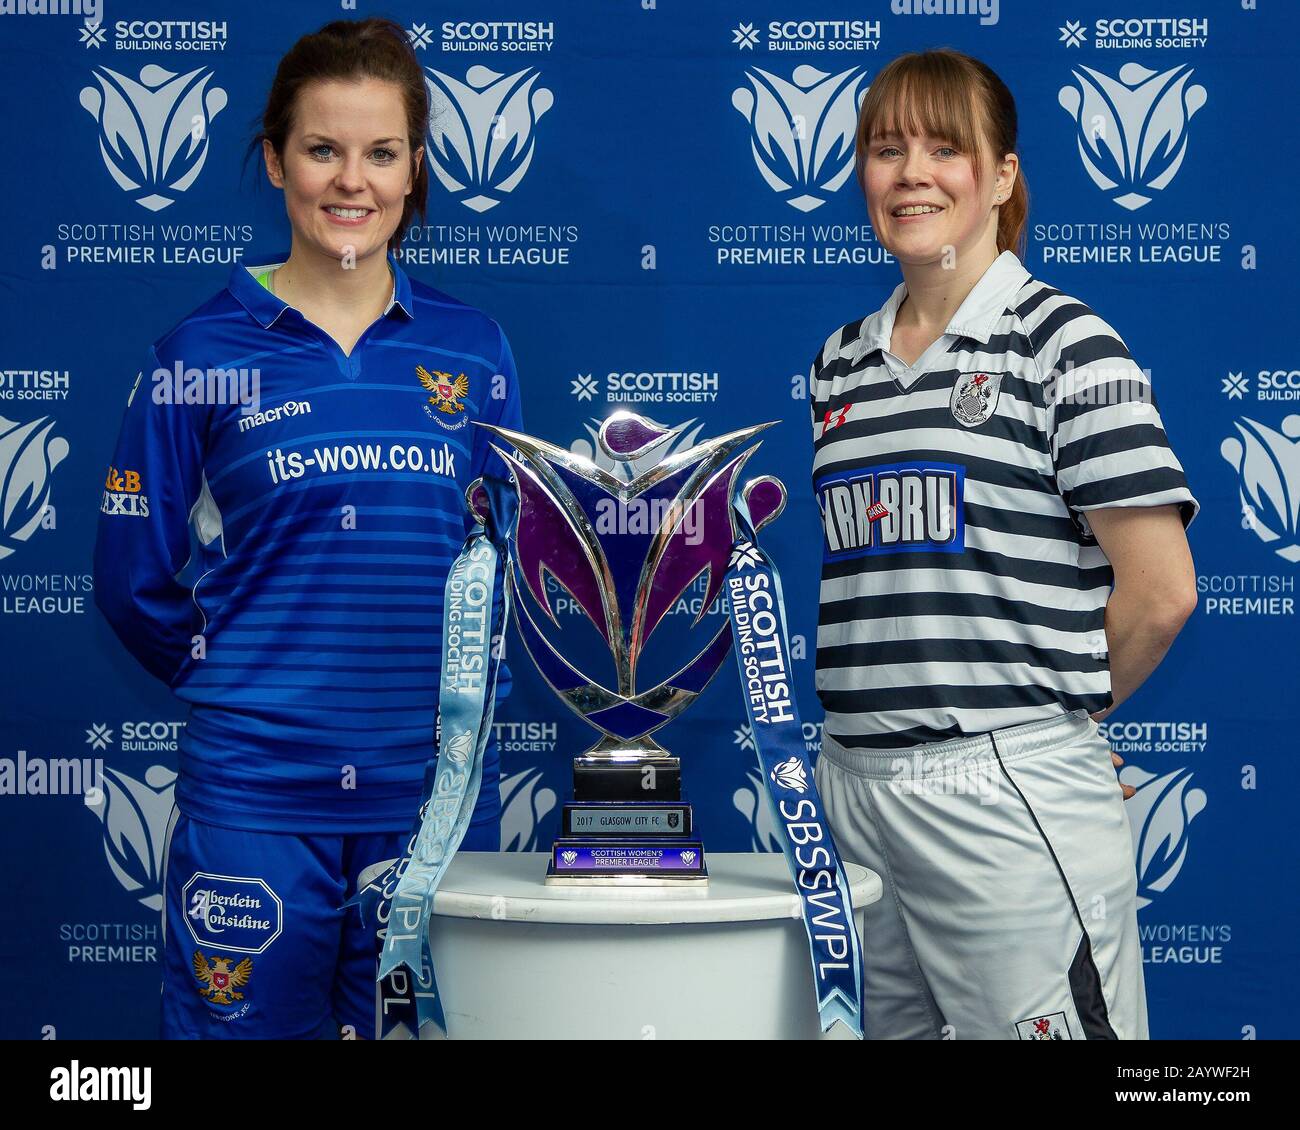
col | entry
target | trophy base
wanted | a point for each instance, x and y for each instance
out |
(681, 882)
(612, 777)
(585, 861)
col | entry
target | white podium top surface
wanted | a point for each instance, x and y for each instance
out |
(742, 887)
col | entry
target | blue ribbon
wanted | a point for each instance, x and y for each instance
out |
(757, 611)
(400, 902)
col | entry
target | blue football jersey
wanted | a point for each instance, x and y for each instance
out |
(274, 539)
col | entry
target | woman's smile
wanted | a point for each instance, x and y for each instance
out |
(345, 216)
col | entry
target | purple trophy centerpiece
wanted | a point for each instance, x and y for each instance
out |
(626, 546)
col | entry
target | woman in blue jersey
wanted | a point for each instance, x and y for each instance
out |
(988, 461)
(282, 562)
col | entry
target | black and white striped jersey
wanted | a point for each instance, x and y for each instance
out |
(962, 589)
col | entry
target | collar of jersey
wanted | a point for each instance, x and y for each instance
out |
(266, 307)
(975, 317)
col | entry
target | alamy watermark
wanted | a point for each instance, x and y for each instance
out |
(180, 385)
(52, 776)
(986, 10)
(92, 10)
(951, 775)
(1091, 385)
(649, 516)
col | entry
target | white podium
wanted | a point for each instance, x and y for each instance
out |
(516, 959)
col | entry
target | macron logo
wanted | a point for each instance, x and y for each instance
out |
(250, 420)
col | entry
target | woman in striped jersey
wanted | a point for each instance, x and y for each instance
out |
(988, 461)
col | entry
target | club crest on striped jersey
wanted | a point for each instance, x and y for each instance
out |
(446, 399)
(975, 397)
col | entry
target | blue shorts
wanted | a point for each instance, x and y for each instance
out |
(255, 943)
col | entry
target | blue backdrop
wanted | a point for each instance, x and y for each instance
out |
(685, 235)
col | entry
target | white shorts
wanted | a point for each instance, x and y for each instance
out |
(1009, 908)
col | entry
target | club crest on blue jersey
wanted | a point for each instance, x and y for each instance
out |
(975, 397)
(895, 508)
(446, 399)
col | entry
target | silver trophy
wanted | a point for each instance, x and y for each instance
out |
(624, 545)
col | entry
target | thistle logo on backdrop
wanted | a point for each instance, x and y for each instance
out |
(750, 800)
(1161, 814)
(801, 142)
(135, 815)
(1132, 132)
(1267, 464)
(1134, 135)
(482, 140)
(153, 132)
(92, 34)
(29, 453)
(801, 130)
(153, 128)
(482, 131)
(525, 803)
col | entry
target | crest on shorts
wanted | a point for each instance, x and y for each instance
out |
(220, 979)
(974, 397)
(1053, 1026)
